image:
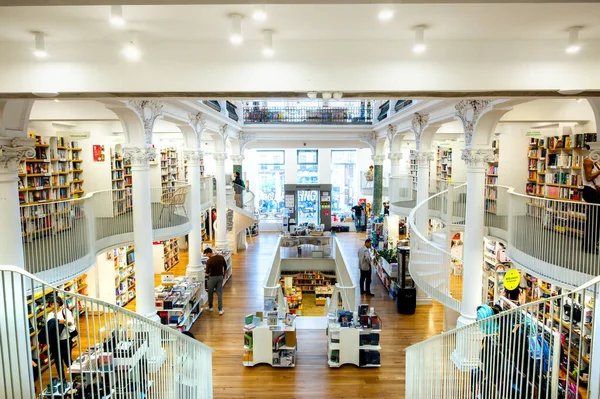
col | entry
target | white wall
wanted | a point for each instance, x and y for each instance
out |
(324, 166)
(512, 162)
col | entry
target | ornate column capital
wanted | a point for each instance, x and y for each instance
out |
(140, 157)
(219, 157)
(148, 111)
(12, 153)
(198, 124)
(390, 133)
(418, 123)
(469, 111)
(395, 157)
(424, 156)
(477, 159)
(244, 138)
(192, 156)
(378, 159)
(237, 159)
(594, 151)
(369, 138)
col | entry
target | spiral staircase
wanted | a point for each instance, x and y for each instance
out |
(544, 349)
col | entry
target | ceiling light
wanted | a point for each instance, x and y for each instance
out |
(574, 45)
(580, 100)
(56, 100)
(419, 46)
(131, 50)
(116, 15)
(260, 13)
(268, 43)
(385, 15)
(312, 95)
(326, 95)
(45, 94)
(236, 29)
(338, 95)
(40, 45)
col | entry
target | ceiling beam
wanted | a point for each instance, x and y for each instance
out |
(290, 2)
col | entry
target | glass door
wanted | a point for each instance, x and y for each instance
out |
(308, 207)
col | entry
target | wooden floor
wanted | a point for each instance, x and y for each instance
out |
(311, 378)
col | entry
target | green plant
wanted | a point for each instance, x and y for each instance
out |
(388, 254)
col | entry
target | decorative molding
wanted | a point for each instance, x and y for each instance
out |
(369, 138)
(418, 123)
(237, 159)
(139, 156)
(395, 157)
(219, 156)
(378, 159)
(424, 156)
(244, 138)
(469, 111)
(390, 133)
(198, 123)
(193, 156)
(11, 155)
(148, 111)
(594, 151)
(477, 158)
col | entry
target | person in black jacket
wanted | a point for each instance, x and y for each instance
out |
(238, 188)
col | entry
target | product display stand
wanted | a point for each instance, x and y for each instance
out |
(270, 340)
(178, 302)
(353, 342)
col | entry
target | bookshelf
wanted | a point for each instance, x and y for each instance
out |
(120, 194)
(178, 302)
(495, 266)
(183, 169)
(124, 266)
(491, 180)
(166, 255)
(308, 281)
(414, 168)
(44, 181)
(269, 340)
(444, 163)
(169, 168)
(38, 309)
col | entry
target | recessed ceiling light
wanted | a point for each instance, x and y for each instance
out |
(40, 45)
(385, 15)
(570, 92)
(326, 95)
(236, 29)
(131, 49)
(56, 100)
(419, 46)
(45, 94)
(260, 13)
(268, 43)
(312, 95)
(574, 46)
(338, 95)
(116, 15)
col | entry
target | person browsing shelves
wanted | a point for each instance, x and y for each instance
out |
(216, 266)
(590, 173)
(364, 264)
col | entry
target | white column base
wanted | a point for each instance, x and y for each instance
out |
(222, 244)
(464, 321)
(467, 354)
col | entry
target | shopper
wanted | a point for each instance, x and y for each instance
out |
(213, 217)
(216, 266)
(364, 264)
(238, 188)
(386, 209)
(589, 175)
(358, 212)
(60, 326)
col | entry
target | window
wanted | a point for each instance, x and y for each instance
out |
(308, 167)
(343, 167)
(271, 178)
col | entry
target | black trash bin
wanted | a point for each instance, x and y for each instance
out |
(406, 300)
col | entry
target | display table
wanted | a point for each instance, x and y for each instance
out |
(353, 343)
(271, 344)
(178, 305)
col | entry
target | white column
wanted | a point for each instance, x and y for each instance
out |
(195, 268)
(221, 236)
(476, 161)
(142, 229)
(394, 184)
(15, 360)
(424, 158)
(395, 159)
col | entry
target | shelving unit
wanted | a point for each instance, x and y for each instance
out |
(227, 255)
(169, 168)
(444, 163)
(273, 344)
(495, 266)
(178, 304)
(121, 195)
(414, 168)
(183, 169)
(166, 255)
(308, 281)
(351, 344)
(124, 264)
(491, 180)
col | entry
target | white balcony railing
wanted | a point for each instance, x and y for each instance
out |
(400, 188)
(61, 239)
(116, 353)
(540, 350)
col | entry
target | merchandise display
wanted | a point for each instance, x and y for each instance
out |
(444, 164)
(353, 338)
(491, 180)
(124, 264)
(169, 168)
(307, 281)
(166, 255)
(270, 339)
(414, 168)
(495, 266)
(178, 303)
(313, 245)
(121, 183)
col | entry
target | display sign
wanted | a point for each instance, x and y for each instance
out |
(98, 153)
(167, 278)
(289, 201)
(74, 136)
(533, 134)
(512, 278)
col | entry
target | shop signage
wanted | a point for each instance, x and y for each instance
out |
(512, 279)
(74, 136)
(98, 153)
(533, 134)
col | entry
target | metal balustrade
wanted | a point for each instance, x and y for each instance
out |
(61, 238)
(116, 353)
(299, 114)
(541, 350)
(400, 188)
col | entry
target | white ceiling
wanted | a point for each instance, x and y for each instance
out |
(446, 22)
